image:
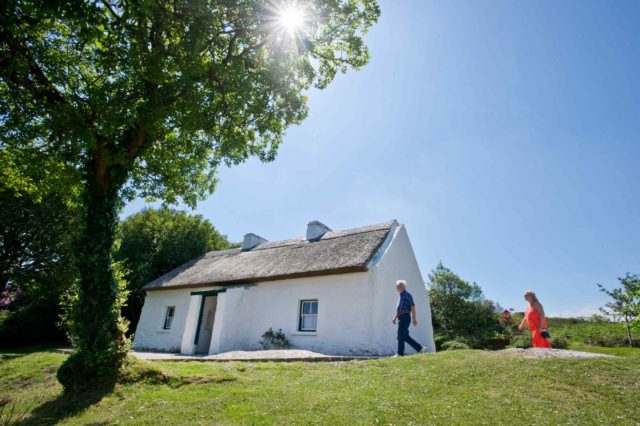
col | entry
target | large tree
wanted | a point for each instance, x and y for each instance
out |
(148, 98)
(459, 309)
(152, 242)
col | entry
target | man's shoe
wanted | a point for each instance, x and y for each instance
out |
(424, 350)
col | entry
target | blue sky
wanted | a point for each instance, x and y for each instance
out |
(505, 135)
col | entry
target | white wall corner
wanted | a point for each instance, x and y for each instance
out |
(218, 325)
(189, 334)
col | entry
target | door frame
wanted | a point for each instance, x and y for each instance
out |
(204, 294)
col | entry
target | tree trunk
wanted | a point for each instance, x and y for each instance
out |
(628, 326)
(96, 325)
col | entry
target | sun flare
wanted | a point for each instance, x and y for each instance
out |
(292, 18)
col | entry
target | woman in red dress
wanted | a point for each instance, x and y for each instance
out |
(535, 319)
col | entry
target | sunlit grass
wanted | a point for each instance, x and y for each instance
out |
(619, 351)
(459, 387)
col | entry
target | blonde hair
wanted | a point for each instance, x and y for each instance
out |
(532, 295)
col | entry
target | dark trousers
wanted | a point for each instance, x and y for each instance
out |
(404, 321)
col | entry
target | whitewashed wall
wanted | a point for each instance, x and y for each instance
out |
(149, 333)
(399, 263)
(344, 320)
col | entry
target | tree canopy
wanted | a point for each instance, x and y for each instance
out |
(157, 94)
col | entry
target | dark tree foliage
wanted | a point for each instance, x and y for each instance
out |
(36, 267)
(153, 242)
(459, 309)
(149, 98)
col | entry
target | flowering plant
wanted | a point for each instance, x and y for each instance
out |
(8, 295)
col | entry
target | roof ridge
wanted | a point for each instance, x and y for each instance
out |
(340, 233)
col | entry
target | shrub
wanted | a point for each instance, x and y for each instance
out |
(439, 340)
(274, 340)
(497, 342)
(460, 310)
(522, 340)
(31, 324)
(611, 341)
(452, 345)
(559, 342)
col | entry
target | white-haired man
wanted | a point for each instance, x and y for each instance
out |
(405, 310)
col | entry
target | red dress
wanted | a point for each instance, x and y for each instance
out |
(533, 320)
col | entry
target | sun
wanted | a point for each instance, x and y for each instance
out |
(292, 18)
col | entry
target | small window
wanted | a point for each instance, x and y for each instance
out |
(308, 315)
(168, 317)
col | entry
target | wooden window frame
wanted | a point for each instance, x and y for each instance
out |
(301, 315)
(168, 318)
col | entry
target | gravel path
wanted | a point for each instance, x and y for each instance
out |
(539, 353)
(264, 355)
(268, 354)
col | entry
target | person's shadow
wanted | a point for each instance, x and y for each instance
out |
(66, 405)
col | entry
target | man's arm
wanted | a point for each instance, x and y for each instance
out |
(413, 314)
(395, 318)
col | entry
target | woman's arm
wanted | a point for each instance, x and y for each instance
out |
(540, 310)
(524, 321)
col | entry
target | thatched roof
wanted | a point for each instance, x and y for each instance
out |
(336, 252)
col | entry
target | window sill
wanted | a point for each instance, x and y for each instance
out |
(304, 333)
(164, 331)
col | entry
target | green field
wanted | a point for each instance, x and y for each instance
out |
(457, 387)
(578, 331)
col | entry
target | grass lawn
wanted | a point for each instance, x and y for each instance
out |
(458, 387)
(619, 351)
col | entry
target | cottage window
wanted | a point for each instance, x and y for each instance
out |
(168, 317)
(308, 315)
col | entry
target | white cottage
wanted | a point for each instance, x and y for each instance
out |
(330, 292)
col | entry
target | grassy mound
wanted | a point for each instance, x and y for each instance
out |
(455, 387)
(135, 370)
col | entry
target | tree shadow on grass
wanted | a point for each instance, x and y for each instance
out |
(66, 405)
(6, 357)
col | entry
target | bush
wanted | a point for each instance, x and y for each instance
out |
(31, 324)
(497, 342)
(559, 342)
(439, 340)
(274, 340)
(452, 345)
(609, 341)
(522, 340)
(460, 310)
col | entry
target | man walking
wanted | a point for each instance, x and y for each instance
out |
(404, 312)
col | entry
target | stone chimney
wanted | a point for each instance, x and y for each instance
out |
(315, 230)
(251, 240)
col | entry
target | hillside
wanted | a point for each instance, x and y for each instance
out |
(458, 387)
